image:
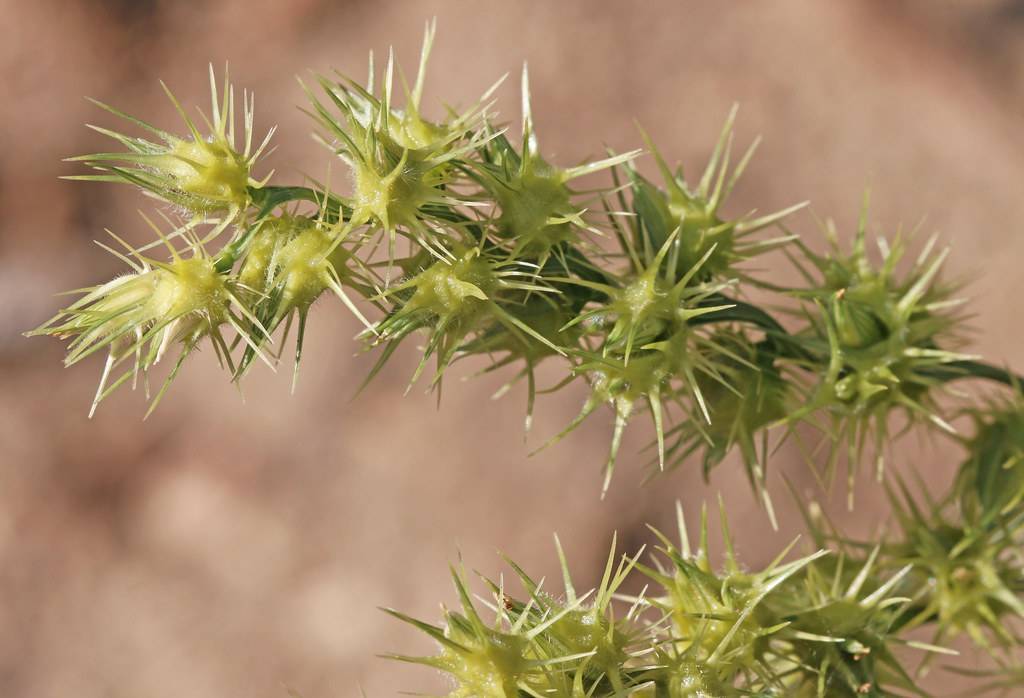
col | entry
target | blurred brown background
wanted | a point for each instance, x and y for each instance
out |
(230, 547)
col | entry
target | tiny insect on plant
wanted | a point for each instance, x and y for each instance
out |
(460, 231)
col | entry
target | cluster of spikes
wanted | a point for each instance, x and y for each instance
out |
(469, 240)
(848, 618)
(460, 235)
(834, 622)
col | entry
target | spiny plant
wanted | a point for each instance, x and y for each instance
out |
(461, 232)
(828, 623)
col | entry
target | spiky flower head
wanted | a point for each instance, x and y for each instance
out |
(718, 618)
(570, 648)
(289, 262)
(880, 336)
(695, 212)
(815, 627)
(157, 307)
(842, 621)
(586, 626)
(651, 346)
(538, 212)
(452, 298)
(201, 173)
(970, 573)
(485, 661)
(406, 170)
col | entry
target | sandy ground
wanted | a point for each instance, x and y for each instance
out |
(230, 547)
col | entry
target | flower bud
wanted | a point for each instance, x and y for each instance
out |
(142, 314)
(203, 174)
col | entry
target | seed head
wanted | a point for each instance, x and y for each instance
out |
(538, 215)
(202, 174)
(452, 299)
(880, 335)
(969, 571)
(289, 261)
(651, 347)
(406, 170)
(721, 618)
(694, 214)
(158, 305)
